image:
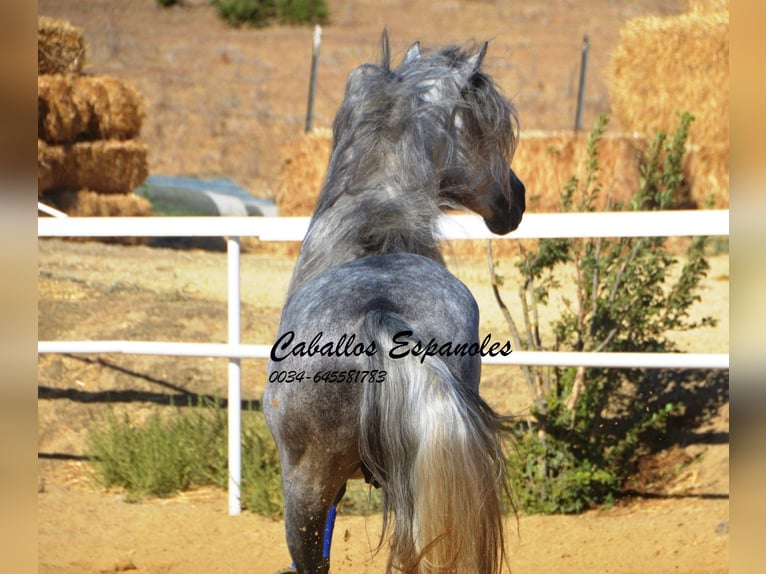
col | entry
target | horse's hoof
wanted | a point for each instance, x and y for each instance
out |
(289, 570)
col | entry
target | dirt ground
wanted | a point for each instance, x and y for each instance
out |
(92, 290)
(221, 102)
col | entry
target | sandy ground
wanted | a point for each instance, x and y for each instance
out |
(223, 101)
(141, 293)
(193, 534)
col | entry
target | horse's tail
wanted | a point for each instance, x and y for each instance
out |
(435, 448)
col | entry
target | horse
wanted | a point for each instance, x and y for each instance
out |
(357, 386)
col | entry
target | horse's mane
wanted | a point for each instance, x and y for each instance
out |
(392, 135)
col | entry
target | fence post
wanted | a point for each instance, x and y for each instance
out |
(313, 78)
(235, 387)
(581, 87)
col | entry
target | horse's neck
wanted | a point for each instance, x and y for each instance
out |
(368, 223)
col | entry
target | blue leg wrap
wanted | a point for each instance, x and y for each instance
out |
(328, 528)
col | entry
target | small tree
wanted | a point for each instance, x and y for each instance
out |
(588, 426)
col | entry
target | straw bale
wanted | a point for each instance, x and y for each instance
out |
(60, 47)
(707, 5)
(87, 203)
(545, 161)
(663, 66)
(117, 108)
(74, 108)
(49, 160)
(61, 115)
(107, 166)
(302, 172)
(707, 170)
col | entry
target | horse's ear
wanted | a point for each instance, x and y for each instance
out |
(385, 50)
(413, 53)
(473, 63)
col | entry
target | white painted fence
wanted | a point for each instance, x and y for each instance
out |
(581, 225)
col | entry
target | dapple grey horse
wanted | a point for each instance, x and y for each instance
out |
(375, 371)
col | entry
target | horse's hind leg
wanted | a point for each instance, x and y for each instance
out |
(329, 525)
(309, 532)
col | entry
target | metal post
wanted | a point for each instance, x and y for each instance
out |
(235, 388)
(581, 87)
(313, 78)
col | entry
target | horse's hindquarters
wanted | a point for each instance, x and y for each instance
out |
(326, 360)
(321, 359)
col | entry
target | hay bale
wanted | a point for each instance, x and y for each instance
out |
(545, 161)
(88, 203)
(60, 47)
(107, 166)
(707, 170)
(663, 66)
(302, 172)
(61, 115)
(49, 161)
(86, 108)
(666, 65)
(707, 5)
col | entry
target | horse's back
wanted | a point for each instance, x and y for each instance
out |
(322, 350)
(436, 304)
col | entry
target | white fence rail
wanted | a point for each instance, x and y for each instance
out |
(534, 225)
(581, 225)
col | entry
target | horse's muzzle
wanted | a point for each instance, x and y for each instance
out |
(518, 200)
(507, 219)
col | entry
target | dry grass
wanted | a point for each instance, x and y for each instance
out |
(72, 108)
(60, 47)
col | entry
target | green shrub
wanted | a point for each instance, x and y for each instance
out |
(188, 447)
(588, 426)
(264, 12)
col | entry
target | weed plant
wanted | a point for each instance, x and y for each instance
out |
(187, 447)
